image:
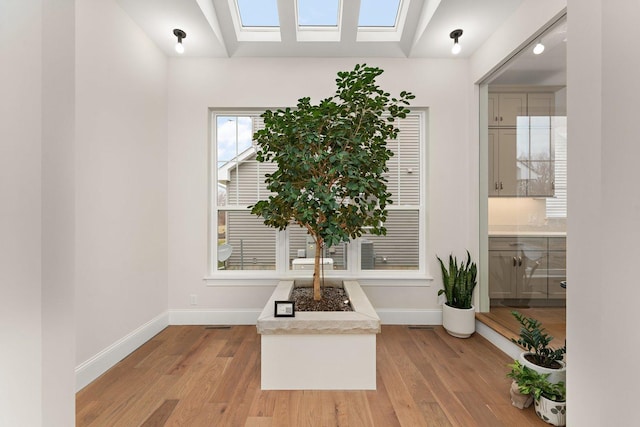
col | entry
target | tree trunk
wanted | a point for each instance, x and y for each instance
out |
(317, 294)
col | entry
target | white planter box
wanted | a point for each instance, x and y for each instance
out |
(319, 350)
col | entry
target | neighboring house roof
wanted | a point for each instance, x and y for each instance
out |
(224, 170)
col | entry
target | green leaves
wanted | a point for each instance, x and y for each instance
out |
(534, 339)
(331, 158)
(535, 383)
(459, 282)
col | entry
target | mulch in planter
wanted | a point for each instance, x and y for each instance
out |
(333, 299)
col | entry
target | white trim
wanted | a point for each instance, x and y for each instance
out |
(510, 349)
(97, 365)
(247, 316)
(382, 279)
(240, 316)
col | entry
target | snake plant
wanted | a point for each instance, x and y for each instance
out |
(459, 281)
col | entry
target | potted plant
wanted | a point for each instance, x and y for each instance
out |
(459, 281)
(550, 401)
(550, 398)
(538, 355)
(330, 159)
(521, 391)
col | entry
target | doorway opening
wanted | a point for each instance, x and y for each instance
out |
(523, 192)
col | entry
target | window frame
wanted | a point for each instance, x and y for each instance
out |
(282, 269)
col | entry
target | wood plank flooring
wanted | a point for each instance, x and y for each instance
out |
(553, 320)
(196, 376)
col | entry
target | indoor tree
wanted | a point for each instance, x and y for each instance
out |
(331, 159)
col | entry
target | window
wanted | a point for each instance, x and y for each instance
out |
(241, 242)
(557, 205)
(260, 13)
(378, 13)
(318, 13)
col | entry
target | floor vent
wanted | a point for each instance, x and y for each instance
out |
(217, 327)
(427, 327)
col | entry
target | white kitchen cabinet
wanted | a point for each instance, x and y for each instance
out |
(512, 172)
(540, 104)
(521, 152)
(504, 108)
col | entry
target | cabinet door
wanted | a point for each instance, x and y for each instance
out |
(532, 274)
(540, 104)
(508, 167)
(502, 268)
(557, 273)
(494, 178)
(493, 110)
(511, 105)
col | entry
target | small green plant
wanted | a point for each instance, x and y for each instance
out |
(536, 384)
(535, 340)
(459, 281)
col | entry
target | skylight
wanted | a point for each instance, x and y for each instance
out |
(318, 13)
(378, 13)
(258, 13)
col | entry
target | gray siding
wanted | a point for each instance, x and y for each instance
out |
(400, 247)
(254, 245)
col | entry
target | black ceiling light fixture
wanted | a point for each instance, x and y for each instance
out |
(180, 35)
(455, 35)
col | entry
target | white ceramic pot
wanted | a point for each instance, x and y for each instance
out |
(459, 322)
(554, 413)
(555, 375)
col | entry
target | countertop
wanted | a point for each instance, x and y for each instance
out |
(527, 233)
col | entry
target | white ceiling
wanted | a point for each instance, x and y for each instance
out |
(210, 30)
(548, 68)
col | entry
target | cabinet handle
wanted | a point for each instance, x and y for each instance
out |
(496, 185)
(553, 185)
(520, 261)
(515, 261)
(502, 188)
(496, 119)
(500, 118)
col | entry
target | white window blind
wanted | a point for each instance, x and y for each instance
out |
(557, 205)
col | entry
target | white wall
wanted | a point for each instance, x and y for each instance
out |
(20, 213)
(58, 212)
(604, 213)
(121, 175)
(197, 84)
(517, 31)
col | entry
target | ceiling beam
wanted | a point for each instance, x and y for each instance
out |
(428, 10)
(206, 6)
(349, 25)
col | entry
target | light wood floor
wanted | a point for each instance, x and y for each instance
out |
(553, 319)
(197, 376)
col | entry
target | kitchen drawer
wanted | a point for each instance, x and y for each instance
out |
(517, 243)
(557, 243)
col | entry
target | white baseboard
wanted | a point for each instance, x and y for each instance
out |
(388, 316)
(399, 316)
(107, 358)
(92, 368)
(214, 317)
(504, 344)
